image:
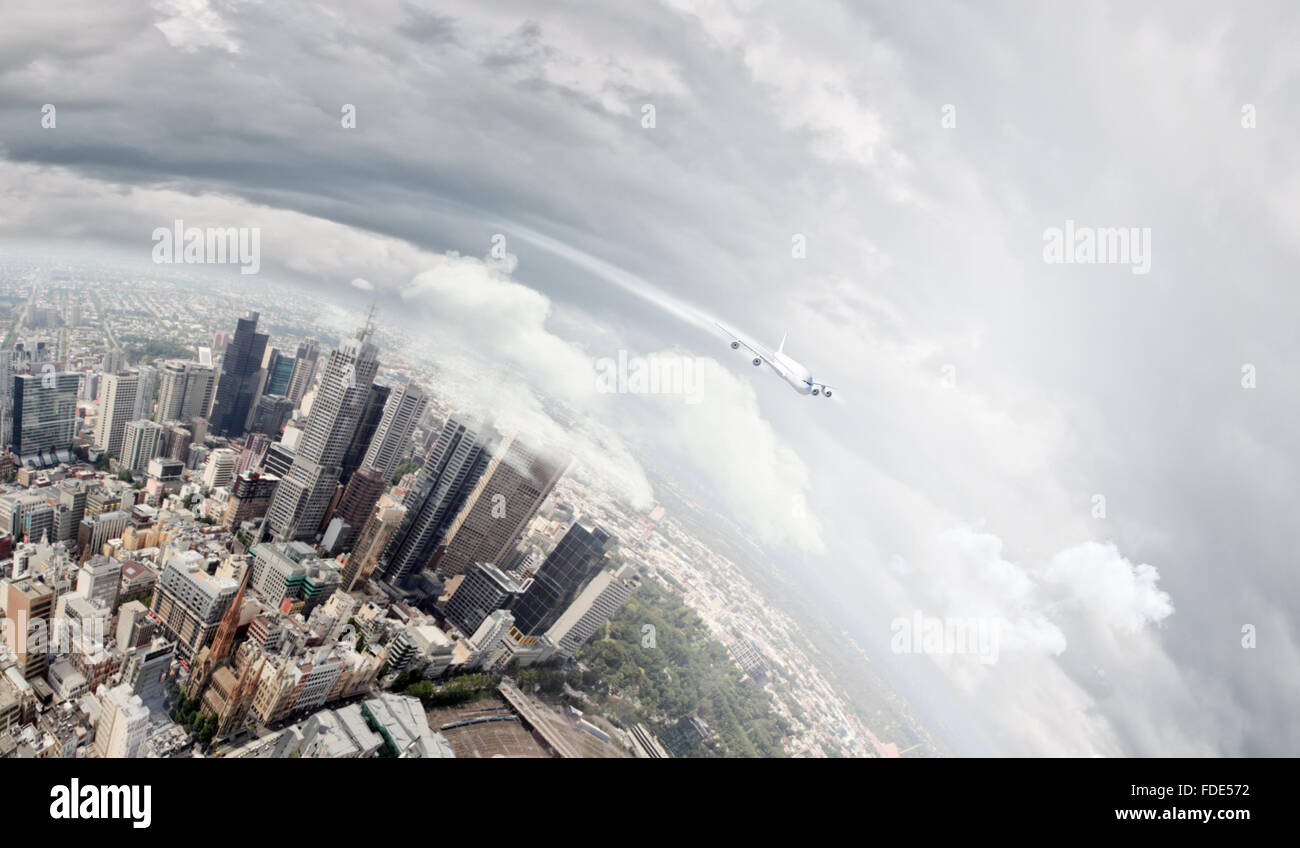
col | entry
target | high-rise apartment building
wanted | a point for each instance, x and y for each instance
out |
(117, 406)
(184, 391)
(146, 388)
(141, 442)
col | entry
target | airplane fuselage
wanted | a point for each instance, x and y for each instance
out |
(795, 375)
(799, 377)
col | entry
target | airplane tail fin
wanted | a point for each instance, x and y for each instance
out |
(782, 347)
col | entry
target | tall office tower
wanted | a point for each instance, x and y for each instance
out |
(564, 573)
(141, 442)
(171, 391)
(250, 495)
(74, 314)
(371, 414)
(123, 723)
(6, 398)
(278, 459)
(359, 498)
(304, 494)
(392, 438)
(485, 588)
(304, 368)
(370, 545)
(237, 388)
(117, 408)
(184, 390)
(30, 607)
(251, 452)
(269, 414)
(45, 415)
(146, 388)
(114, 361)
(177, 439)
(493, 516)
(595, 605)
(452, 468)
(189, 603)
(279, 371)
(219, 469)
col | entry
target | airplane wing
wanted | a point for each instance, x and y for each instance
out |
(737, 341)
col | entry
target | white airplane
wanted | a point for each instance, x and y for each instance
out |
(799, 377)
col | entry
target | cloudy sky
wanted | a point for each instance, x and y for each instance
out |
(1095, 460)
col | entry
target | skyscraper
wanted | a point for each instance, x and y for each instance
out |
(114, 361)
(393, 436)
(141, 442)
(485, 588)
(564, 573)
(118, 406)
(508, 494)
(305, 492)
(371, 414)
(6, 398)
(146, 388)
(452, 468)
(237, 388)
(45, 415)
(269, 414)
(304, 368)
(279, 371)
(358, 501)
(596, 604)
(184, 391)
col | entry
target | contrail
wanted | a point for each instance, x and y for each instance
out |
(629, 282)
